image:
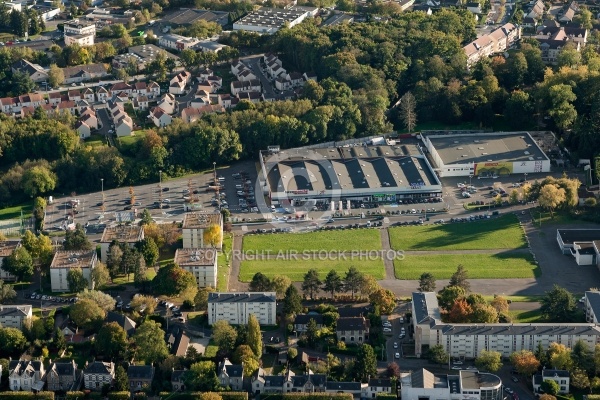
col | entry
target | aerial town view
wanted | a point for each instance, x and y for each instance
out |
(299, 200)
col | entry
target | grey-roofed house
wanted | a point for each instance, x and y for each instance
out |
(122, 320)
(231, 375)
(61, 376)
(301, 321)
(561, 377)
(25, 375)
(352, 330)
(140, 377)
(178, 341)
(354, 388)
(97, 374)
(376, 386)
(15, 316)
(236, 307)
(35, 72)
(84, 73)
(288, 382)
(177, 376)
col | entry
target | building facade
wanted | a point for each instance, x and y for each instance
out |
(202, 263)
(194, 225)
(236, 308)
(97, 374)
(65, 261)
(15, 316)
(468, 385)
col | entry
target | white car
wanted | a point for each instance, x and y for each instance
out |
(397, 355)
(395, 345)
(387, 330)
(582, 300)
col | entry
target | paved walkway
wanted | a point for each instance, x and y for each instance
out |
(387, 262)
(234, 285)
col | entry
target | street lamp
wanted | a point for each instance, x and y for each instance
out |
(160, 189)
(102, 183)
(470, 176)
(525, 176)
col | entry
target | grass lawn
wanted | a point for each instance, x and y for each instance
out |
(519, 298)
(479, 266)
(523, 316)
(211, 350)
(558, 218)
(346, 240)
(15, 212)
(130, 140)
(96, 141)
(223, 263)
(295, 269)
(498, 233)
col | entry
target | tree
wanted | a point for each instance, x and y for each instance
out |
(550, 387)
(111, 341)
(437, 354)
(484, 313)
(292, 353)
(551, 196)
(311, 283)
(460, 312)
(333, 283)
(202, 377)
(12, 340)
(244, 354)
(150, 343)
(393, 370)
(213, 235)
(38, 180)
(59, 340)
(201, 298)
(312, 332)
(76, 239)
(568, 56)
(19, 263)
(146, 218)
(76, 281)
(368, 285)
(582, 357)
(121, 379)
(172, 280)
(459, 278)
(489, 361)
(426, 282)
(448, 296)
(260, 283)
(224, 335)
(561, 108)
(384, 300)
(140, 273)
(7, 293)
(56, 76)
(87, 314)
(100, 275)
(558, 305)
(149, 250)
(353, 280)
(408, 113)
(292, 302)
(188, 58)
(143, 304)
(280, 284)
(500, 304)
(524, 362)
(254, 335)
(365, 365)
(113, 259)
(580, 379)
(560, 356)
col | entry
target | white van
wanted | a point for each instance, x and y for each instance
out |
(50, 200)
(239, 187)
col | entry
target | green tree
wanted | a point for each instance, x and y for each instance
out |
(365, 365)
(254, 335)
(172, 280)
(100, 275)
(12, 341)
(426, 282)
(188, 58)
(104, 300)
(224, 335)
(121, 379)
(353, 280)
(518, 109)
(86, 314)
(113, 259)
(56, 76)
(38, 180)
(260, 283)
(201, 298)
(333, 283)
(292, 353)
(280, 284)
(561, 108)
(582, 356)
(489, 361)
(150, 343)
(312, 332)
(149, 250)
(551, 196)
(311, 283)
(384, 300)
(438, 355)
(7, 293)
(146, 218)
(244, 354)
(550, 387)
(76, 239)
(558, 305)
(111, 341)
(76, 281)
(202, 377)
(292, 302)
(568, 56)
(559, 356)
(460, 278)
(19, 263)
(59, 340)
(584, 18)
(580, 379)
(448, 296)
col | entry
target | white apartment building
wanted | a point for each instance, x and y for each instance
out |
(177, 42)
(202, 263)
(129, 234)
(6, 249)
(236, 308)
(82, 40)
(79, 32)
(15, 316)
(592, 306)
(194, 225)
(468, 340)
(65, 261)
(471, 385)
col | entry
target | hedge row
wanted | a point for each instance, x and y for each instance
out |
(75, 396)
(119, 396)
(307, 396)
(386, 396)
(27, 395)
(197, 395)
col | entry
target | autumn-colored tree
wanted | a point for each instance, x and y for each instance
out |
(500, 304)
(460, 312)
(551, 196)
(547, 397)
(560, 356)
(524, 362)
(213, 235)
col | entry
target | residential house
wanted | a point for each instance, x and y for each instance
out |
(6, 249)
(215, 81)
(140, 89)
(31, 100)
(237, 66)
(252, 97)
(25, 375)
(8, 103)
(191, 114)
(89, 95)
(178, 341)
(237, 307)
(167, 103)
(561, 377)
(227, 100)
(275, 70)
(529, 22)
(65, 261)
(301, 321)
(178, 82)
(159, 117)
(231, 375)
(474, 7)
(353, 388)
(35, 72)
(296, 79)
(66, 106)
(498, 41)
(140, 377)
(246, 75)
(288, 383)
(204, 74)
(97, 374)
(206, 87)
(245, 86)
(553, 39)
(124, 126)
(377, 386)
(536, 11)
(123, 321)
(83, 129)
(15, 316)
(84, 73)
(81, 105)
(177, 380)
(54, 98)
(141, 103)
(88, 115)
(282, 83)
(61, 376)
(567, 16)
(122, 87)
(103, 94)
(121, 97)
(201, 98)
(153, 90)
(81, 40)
(352, 330)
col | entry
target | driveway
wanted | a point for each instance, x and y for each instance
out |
(254, 64)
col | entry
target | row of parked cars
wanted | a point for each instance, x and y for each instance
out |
(56, 299)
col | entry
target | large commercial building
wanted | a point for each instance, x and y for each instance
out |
(236, 308)
(471, 385)
(386, 173)
(583, 244)
(202, 263)
(485, 154)
(194, 225)
(65, 261)
(468, 340)
(269, 20)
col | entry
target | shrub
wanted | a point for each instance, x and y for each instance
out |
(118, 396)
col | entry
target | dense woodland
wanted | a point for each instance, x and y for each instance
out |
(363, 69)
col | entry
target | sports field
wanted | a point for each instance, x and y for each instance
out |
(479, 266)
(496, 233)
(295, 269)
(346, 240)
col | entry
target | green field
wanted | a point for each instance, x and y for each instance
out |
(346, 240)
(479, 266)
(498, 233)
(223, 263)
(15, 212)
(96, 141)
(523, 316)
(295, 269)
